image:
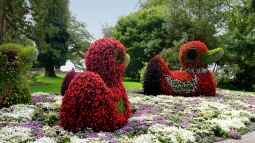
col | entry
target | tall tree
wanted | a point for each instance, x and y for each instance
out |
(14, 20)
(51, 32)
(239, 43)
(79, 41)
(198, 19)
(107, 30)
(144, 33)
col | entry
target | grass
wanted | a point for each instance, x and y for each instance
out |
(52, 85)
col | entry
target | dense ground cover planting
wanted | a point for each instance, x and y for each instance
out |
(154, 119)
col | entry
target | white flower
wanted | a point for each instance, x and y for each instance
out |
(172, 134)
(40, 94)
(227, 124)
(15, 135)
(48, 106)
(143, 117)
(76, 139)
(58, 101)
(45, 140)
(205, 106)
(19, 113)
(146, 138)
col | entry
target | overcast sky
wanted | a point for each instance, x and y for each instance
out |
(96, 13)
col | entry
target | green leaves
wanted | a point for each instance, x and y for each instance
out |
(121, 106)
(144, 33)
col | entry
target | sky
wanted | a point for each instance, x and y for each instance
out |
(96, 13)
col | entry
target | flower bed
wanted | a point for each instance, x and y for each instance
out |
(155, 119)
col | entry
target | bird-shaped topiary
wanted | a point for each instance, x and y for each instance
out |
(193, 79)
(97, 98)
(15, 61)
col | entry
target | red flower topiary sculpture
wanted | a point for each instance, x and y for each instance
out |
(97, 98)
(193, 79)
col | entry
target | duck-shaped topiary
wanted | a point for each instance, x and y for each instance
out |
(193, 79)
(97, 98)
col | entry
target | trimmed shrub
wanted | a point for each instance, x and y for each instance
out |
(97, 98)
(15, 60)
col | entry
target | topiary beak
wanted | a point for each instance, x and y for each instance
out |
(127, 59)
(212, 56)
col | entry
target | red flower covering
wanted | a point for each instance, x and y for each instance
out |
(184, 82)
(97, 98)
(106, 57)
(201, 49)
(67, 80)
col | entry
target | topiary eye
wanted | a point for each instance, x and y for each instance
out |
(119, 57)
(191, 55)
(11, 55)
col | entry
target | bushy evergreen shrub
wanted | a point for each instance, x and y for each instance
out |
(15, 60)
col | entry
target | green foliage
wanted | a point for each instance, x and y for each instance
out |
(151, 3)
(121, 106)
(15, 60)
(239, 43)
(144, 33)
(142, 72)
(51, 32)
(198, 19)
(79, 41)
(13, 21)
(171, 55)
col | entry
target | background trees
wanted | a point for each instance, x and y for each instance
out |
(144, 33)
(160, 26)
(51, 33)
(14, 20)
(239, 43)
(79, 41)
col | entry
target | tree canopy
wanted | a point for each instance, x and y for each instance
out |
(144, 33)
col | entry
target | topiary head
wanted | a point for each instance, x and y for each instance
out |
(195, 54)
(15, 58)
(108, 58)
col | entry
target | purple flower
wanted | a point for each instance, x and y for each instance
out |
(234, 134)
(92, 135)
(159, 120)
(42, 98)
(36, 128)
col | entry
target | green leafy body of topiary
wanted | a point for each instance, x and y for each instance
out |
(15, 60)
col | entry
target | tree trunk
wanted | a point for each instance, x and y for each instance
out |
(50, 71)
(1, 21)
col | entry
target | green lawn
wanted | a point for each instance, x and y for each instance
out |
(52, 85)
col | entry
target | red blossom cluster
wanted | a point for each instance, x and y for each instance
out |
(201, 49)
(106, 57)
(97, 98)
(197, 81)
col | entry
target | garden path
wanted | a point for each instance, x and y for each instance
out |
(248, 138)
